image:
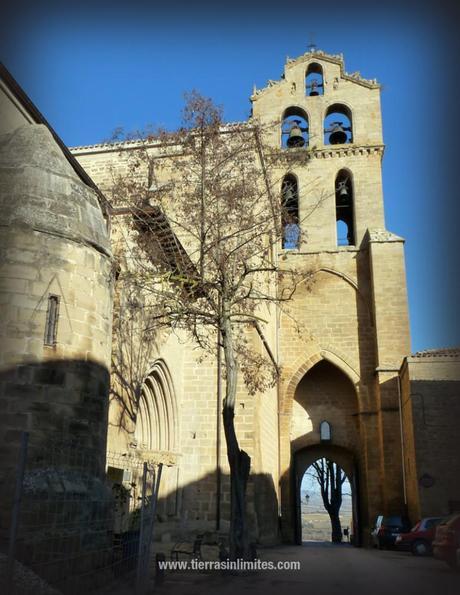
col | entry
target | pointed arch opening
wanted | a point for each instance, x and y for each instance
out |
(294, 128)
(290, 212)
(325, 433)
(314, 83)
(338, 125)
(344, 208)
(156, 416)
(327, 496)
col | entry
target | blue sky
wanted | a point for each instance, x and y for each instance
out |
(92, 69)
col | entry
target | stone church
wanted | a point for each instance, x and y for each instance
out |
(345, 388)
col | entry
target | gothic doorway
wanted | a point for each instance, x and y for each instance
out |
(307, 527)
(325, 423)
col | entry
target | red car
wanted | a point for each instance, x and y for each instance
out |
(420, 537)
(447, 540)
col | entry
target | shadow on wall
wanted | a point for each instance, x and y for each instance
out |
(324, 394)
(137, 341)
(59, 399)
(191, 509)
(70, 532)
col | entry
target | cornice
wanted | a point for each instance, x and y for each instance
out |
(328, 152)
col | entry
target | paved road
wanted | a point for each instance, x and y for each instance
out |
(326, 569)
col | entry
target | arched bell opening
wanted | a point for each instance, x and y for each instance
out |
(338, 127)
(290, 212)
(294, 128)
(344, 209)
(314, 83)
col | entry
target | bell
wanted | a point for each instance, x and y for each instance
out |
(314, 87)
(295, 138)
(343, 192)
(288, 194)
(338, 136)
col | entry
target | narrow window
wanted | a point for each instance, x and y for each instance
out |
(52, 316)
(314, 84)
(338, 125)
(344, 209)
(325, 431)
(294, 129)
(290, 213)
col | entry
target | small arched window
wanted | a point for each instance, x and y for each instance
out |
(338, 127)
(290, 212)
(314, 84)
(325, 433)
(344, 214)
(294, 128)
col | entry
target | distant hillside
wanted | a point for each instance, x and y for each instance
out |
(315, 503)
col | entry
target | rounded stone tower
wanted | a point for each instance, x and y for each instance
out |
(56, 302)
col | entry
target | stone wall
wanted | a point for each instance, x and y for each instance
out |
(54, 242)
(431, 409)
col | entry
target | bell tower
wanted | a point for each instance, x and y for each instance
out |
(326, 125)
(318, 108)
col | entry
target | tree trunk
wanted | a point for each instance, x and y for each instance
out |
(330, 479)
(336, 527)
(238, 459)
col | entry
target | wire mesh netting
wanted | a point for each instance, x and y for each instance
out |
(78, 528)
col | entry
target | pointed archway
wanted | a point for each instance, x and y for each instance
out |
(325, 393)
(303, 459)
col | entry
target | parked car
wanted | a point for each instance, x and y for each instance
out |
(387, 528)
(420, 537)
(447, 540)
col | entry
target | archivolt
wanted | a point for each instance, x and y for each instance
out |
(156, 422)
(304, 364)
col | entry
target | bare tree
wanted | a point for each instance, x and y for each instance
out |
(330, 478)
(205, 214)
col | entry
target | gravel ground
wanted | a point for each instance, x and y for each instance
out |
(25, 581)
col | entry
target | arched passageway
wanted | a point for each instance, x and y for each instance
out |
(325, 423)
(350, 510)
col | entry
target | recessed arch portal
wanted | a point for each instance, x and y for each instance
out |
(156, 418)
(324, 388)
(325, 393)
(344, 458)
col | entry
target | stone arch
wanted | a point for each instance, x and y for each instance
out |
(290, 211)
(325, 393)
(157, 419)
(304, 364)
(294, 127)
(344, 189)
(338, 124)
(350, 282)
(343, 276)
(305, 457)
(288, 447)
(314, 80)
